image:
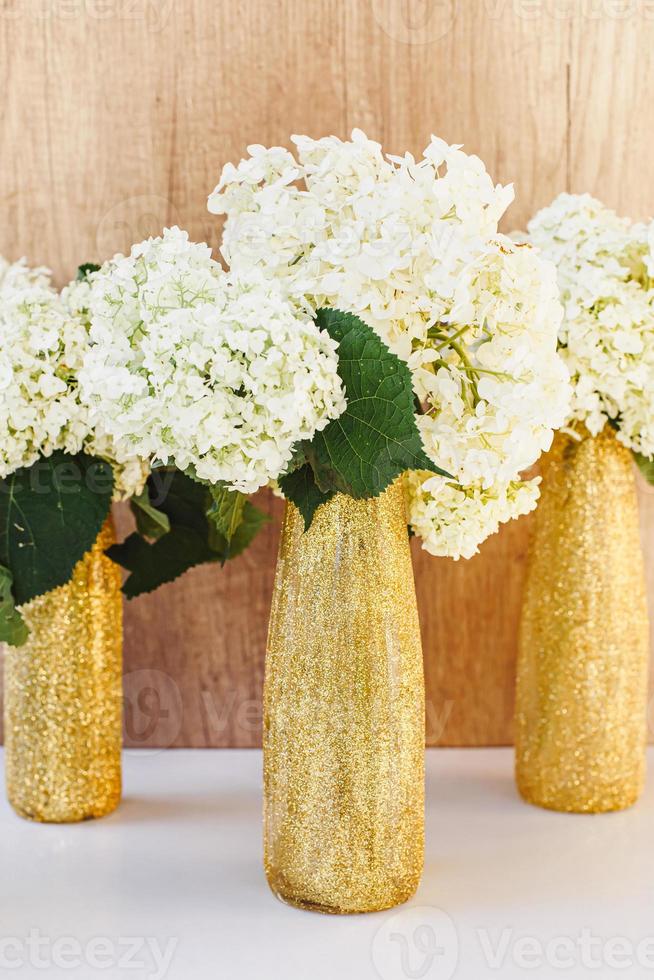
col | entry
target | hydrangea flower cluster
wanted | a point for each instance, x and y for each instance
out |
(41, 349)
(605, 267)
(130, 470)
(44, 338)
(460, 517)
(412, 247)
(216, 373)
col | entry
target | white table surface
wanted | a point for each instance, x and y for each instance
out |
(171, 886)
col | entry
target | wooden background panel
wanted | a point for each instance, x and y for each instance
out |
(117, 119)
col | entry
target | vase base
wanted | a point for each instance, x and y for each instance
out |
(325, 908)
(37, 816)
(333, 910)
(612, 803)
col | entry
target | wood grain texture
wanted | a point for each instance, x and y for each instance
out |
(117, 117)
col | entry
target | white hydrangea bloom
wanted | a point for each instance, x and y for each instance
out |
(413, 248)
(44, 337)
(605, 268)
(41, 349)
(130, 471)
(451, 519)
(213, 372)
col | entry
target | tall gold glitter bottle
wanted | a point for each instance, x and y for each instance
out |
(344, 711)
(581, 697)
(63, 697)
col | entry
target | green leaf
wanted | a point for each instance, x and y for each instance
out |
(152, 565)
(298, 459)
(50, 515)
(13, 629)
(181, 498)
(233, 521)
(226, 510)
(182, 502)
(86, 269)
(301, 488)
(192, 539)
(151, 523)
(646, 466)
(252, 522)
(376, 438)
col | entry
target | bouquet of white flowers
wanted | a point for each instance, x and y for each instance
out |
(41, 347)
(605, 267)
(372, 322)
(219, 376)
(413, 249)
(53, 460)
(191, 366)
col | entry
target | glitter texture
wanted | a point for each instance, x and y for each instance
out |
(344, 711)
(581, 697)
(63, 697)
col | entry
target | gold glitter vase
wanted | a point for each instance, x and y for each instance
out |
(63, 697)
(344, 711)
(581, 697)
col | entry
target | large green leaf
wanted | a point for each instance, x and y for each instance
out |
(192, 538)
(300, 487)
(376, 438)
(50, 515)
(646, 466)
(182, 503)
(151, 565)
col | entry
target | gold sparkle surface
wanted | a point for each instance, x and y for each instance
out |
(344, 711)
(63, 696)
(581, 698)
